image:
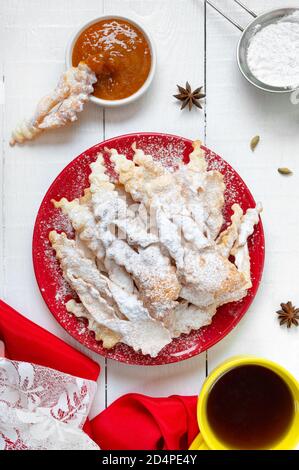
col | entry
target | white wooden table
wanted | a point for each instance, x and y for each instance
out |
(194, 43)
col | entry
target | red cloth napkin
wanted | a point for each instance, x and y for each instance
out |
(138, 422)
(26, 341)
(133, 421)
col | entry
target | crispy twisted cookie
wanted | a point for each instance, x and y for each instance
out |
(59, 107)
(143, 284)
(121, 314)
(151, 270)
(205, 275)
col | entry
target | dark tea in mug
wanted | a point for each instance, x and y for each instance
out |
(250, 407)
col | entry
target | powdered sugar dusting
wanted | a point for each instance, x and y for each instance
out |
(170, 155)
(55, 290)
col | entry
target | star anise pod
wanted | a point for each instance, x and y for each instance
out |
(288, 314)
(189, 97)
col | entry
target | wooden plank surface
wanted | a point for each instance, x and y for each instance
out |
(235, 113)
(35, 37)
(180, 50)
(192, 44)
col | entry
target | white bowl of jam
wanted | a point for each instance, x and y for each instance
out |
(122, 55)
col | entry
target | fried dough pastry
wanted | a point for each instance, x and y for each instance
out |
(240, 248)
(59, 107)
(204, 273)
(149, 261)
(109, 305)
(82, 218)
(151, 271)
(102, 333)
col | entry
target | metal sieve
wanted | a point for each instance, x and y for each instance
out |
(259, 22)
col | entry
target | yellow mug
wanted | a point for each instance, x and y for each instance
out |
(207, 440)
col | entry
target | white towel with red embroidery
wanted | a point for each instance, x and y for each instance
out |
(42, 408)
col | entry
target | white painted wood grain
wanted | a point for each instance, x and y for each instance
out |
(180, 48)
(235, 113)
(177, 28)
(37, 33)
(34, 35)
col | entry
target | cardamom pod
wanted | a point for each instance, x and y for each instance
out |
(254, 142)
(284, 171)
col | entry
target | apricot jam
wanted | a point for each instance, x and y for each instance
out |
(118, 53)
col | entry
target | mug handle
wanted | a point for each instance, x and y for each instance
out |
(199, 444)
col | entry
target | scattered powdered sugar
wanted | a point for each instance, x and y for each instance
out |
(61, 223)
(170, 153)
(181, 348)
(232, 191)
(62, 288)
(170, 156)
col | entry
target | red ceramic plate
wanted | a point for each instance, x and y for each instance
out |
(71, 182)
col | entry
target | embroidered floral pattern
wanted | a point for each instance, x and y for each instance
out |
(42, 408)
